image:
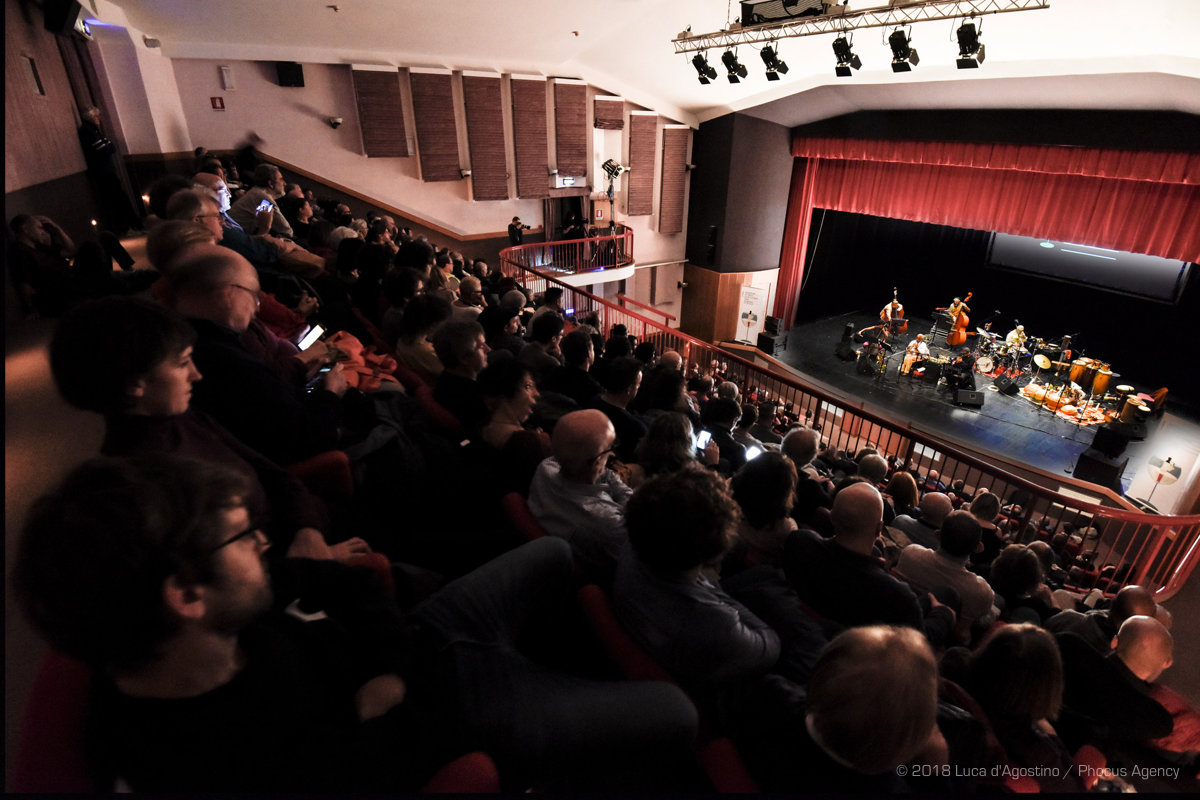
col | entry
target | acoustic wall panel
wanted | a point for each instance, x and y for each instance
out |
(570, 127)
(380, 112)
(437, 136)
(643, 130)
(674, 163)
(530, 140)
(485, 137)
(608, 113)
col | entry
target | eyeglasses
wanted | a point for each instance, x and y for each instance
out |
(253, 530)
(604, 453)
(256, 293)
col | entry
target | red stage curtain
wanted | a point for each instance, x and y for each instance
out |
(1136, 201)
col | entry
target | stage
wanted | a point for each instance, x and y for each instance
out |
(1005, 425)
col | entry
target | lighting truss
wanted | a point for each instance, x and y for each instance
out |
(883, 17)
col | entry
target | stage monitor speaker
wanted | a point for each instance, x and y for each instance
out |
(1133, 431)
(966, 397)
(1110, 440)
(1095, 467)
(845, 351)
(1006, 385)
(772, 325)
(772, 344)
(289, 73)
(60, 16)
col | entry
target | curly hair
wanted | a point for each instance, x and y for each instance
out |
(681, 520)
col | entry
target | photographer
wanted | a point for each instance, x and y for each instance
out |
(516, 231)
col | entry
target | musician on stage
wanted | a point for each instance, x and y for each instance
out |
(961, 372)
(1015, 338)
(892, 311)
(915, 354)
(956, 308)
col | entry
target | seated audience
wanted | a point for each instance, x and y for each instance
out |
(413, 348)
(929, 570)
(502, 328)
(470, 301)
(764, 428)
(741, 431)
(901, 492)
(668, 446)
(622, 381)
(213, 674)
(575, 496)
(764, 489)
(1016, 675)
(1099, 627)
(922, 530)
(268, 187)
(1016, 576)
(678, 523)
(985, 508)
(813, 491)
(510, 394)
(541, 351)
(463, 353)
(572, 378)
(719, 417)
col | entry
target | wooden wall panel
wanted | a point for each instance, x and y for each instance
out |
(530, 140)
(437, 134)
(709, 309)
(485, 136)
(609, 113)
(380, 113)
(40, 143)
(670, 202)
(643, 129)
(570, 128)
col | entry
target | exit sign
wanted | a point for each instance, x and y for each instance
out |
(218, 103)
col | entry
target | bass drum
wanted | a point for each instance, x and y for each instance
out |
(984, 365)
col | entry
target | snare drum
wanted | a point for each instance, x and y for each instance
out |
(1134, 410)
(984, 364)
(1100, 384)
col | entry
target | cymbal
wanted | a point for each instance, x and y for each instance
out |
(1041, 361)
(982, 332)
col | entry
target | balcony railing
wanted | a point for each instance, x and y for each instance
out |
(1123, 547)
(574, 256)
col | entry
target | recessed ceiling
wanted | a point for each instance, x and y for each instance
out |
(1080, 54)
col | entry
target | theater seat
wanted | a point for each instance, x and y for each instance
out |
(437, 413)
(474, 773)
(327, 475)
(516, 508)
(50, 751)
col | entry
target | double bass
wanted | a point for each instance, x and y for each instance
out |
(958, 330)
(896, 323)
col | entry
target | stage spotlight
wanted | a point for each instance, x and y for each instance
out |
(774, 65)
(970, 49)
(846, 58)
(704, 70)
(904, 57)
(734, 67)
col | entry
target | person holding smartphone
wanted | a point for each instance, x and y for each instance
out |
(256, 210)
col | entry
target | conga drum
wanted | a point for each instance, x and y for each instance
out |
(1134, 410)
(1100, 383)
(1078, 367)
(1123, 391)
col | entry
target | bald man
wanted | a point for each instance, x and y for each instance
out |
(841, 578)
(574, 495)
(1107, 699)
(1098, 627)
(935, 507)
(218, 291)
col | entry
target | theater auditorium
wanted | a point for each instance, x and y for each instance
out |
(707, 397)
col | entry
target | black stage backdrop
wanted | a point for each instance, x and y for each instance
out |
(855, 260)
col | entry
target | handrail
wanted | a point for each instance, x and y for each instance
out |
(624, 298)
(1158, 552)
(575, 256)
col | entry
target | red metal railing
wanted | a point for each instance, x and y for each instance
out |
(575, 255)
(1158, 552)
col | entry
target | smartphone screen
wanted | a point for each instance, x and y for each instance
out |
(702, 439)
(753, 452)
(311, 337)
(265, 205)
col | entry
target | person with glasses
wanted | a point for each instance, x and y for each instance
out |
(131, 361)
(214, 671)
(575, 496)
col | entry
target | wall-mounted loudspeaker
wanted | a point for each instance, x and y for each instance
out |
(61, 15)
(290, 73)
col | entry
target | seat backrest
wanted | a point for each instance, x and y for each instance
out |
(516, 508)
(625, 653)
(437, 412)
(51, 754)
(327, 475)
(474, 773)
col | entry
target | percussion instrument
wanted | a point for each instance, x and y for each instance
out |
(1041, 361)
(1134, 410)
(1056, 399)
(1083, 372)
(1035, 392)
(1100, 384)
(1123, 391)
(984, 364)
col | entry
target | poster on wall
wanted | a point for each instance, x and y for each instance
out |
(752, 309)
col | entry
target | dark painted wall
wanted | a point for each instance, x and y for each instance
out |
(854, 260)
(740, 187)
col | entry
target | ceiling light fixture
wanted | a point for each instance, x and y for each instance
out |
(773, 63)
(970, 49)
(735, 69)
(846, 57)
(704, 70)
(904, 55)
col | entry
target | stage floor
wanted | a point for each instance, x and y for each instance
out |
(1005, 425)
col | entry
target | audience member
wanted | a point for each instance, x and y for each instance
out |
(934, 508)
(413, 348)
(510, 394)
(985, 508)
(575, 496)
(268, 188)
(1099, 627)
(463, 353)
(541, 352)
(719, 417)
(572, 379)
(764, 489)
(1016, 576)
(813, 491)
(764, 428)
(622, 381)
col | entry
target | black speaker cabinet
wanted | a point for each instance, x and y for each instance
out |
(60, 16)
(1095, 467)
(1110, 440)
(1006, 385)
(772, 325)
(290, 73)
(966, 397)
(1133, 431)
(772, 344)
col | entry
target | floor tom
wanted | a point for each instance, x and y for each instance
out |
(984, 364)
